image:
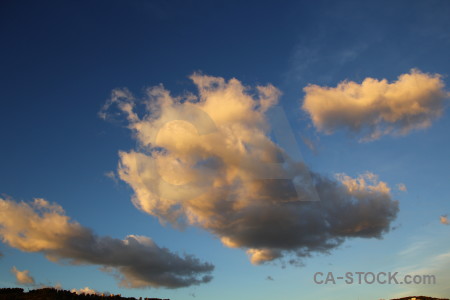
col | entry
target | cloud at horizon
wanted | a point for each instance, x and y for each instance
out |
(136, 261)
(86, 291)
(375, 108)
(208, 160)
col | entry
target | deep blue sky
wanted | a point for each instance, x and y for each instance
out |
(59, 61)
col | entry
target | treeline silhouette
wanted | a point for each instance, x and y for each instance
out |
(420, 298)
(56, 294)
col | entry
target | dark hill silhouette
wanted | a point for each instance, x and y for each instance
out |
(420, 298)
(54, 294)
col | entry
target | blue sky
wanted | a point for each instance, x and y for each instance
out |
(61, 60)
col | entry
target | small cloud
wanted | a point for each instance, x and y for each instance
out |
(375, 108)
(395, 227)
(192, 295)
(86, 291)
(444, 220)
(56, 286)
(112, 175)
(23, 277)
(269, 278)
(310, 144)
(401, 187)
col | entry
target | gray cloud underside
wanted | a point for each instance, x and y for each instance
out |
(137, 261)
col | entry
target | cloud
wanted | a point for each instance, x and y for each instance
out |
(376, 107)
(57, 286)
(312, 145)
(209, 161)
(269, 278)
(111, 175)
(402, 187)
(23, 277)
(137, 260)
(86, 291)
(444, 220)
(427, 254)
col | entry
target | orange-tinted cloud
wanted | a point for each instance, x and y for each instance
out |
(374, 107)
(402, 187)
(86, 291)
(209, 161)
(23, 277)
(137, 260)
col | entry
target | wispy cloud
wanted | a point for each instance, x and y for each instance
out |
(23, 277)
(402, 187)
(209, 161)
(137, 260)
(311, 144)
(112, 175)
(374, 107)
(415, 248)
(315, 57)
(436, 263)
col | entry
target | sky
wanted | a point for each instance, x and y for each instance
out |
(224, 149)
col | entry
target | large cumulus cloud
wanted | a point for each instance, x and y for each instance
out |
(374, 107)
(137, 260)
(210, 161)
